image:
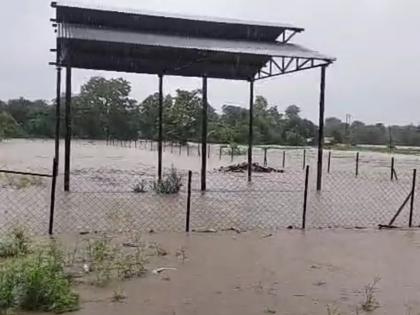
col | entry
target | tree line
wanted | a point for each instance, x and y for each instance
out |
(104, 110)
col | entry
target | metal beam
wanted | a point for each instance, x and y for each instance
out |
(204, 136)
(321, 129)
(67, 144)
(251, 126)
(160, 136)
(293, 69)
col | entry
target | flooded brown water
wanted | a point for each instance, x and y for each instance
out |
(289, 272)
(103, 177)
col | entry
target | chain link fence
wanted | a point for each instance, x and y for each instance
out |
(119, 201)
(24, 201)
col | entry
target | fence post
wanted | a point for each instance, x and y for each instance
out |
(208, 151)
(392, 168)
(198, 149)
(284, 159)
(220, 153)
(413, 191)
(187, 219)
(304, 159)
(52, 200)
(357, 164)
(305, 198)
(180, 148)
(231, 154)
(329, 162)
(188, 149)
(265, 156)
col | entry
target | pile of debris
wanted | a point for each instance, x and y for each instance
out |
(243, 167)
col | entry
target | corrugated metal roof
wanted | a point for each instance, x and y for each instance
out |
(74, 4)
(275, 49)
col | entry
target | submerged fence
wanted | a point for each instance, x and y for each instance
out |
(119, 201)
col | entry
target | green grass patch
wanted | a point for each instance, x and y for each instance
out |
(16, 243)
(36, 282)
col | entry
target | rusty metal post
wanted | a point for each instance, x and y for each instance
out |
(392, 168)
(357, 163)
(67, 142)
(160, 135)
(251, 128)
(204, 136)
(321, 129)
(329, 162)
(413, 193)
(305, 198)
(187, 219)
(284, 159)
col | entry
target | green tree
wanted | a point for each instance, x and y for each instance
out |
(104, 109)
(9, 128)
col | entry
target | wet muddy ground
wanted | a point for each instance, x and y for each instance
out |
(289, 272)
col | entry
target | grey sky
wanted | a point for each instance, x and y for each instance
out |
(376, 77)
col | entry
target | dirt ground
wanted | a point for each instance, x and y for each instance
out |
(289, 272)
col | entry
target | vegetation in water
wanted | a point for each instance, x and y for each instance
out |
(140, 187)
(36, 282)
(16, 243)
(169, 184)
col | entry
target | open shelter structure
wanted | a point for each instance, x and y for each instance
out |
(91, 37)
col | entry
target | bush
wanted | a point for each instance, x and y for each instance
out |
(15, 244)
(36, 282)
(171, 184)
(140, 187)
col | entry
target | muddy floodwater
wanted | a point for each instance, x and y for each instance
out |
(288, 272)
(102, 193)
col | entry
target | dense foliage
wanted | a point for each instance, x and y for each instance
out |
(104, 109)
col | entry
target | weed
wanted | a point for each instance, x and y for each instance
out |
(171, 184)
(332, 310)
(15, 244)
(181, 254)
(370, 303)
(140, 187)
(100, 256)
(157, 250)
(108, 262)
(269, 311)
(36, 282)
(20, 181)
(118, 295)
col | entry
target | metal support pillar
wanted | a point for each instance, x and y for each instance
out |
(251, 127)
(321, 129)
(160, 127)
(67, 144)
(57, 116)
(204, 136)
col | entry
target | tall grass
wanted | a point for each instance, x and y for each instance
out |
(36, 282)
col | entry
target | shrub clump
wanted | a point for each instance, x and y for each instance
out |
(140, 187)
(16, 243)
(170, 184)
(36, 282)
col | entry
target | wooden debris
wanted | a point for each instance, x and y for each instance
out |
(242, 167)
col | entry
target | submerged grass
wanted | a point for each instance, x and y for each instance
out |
(14, 244)
(38, 276)
(36, 282)
(20, 181)
(170, 184)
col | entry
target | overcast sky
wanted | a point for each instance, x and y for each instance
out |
(375, 79)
